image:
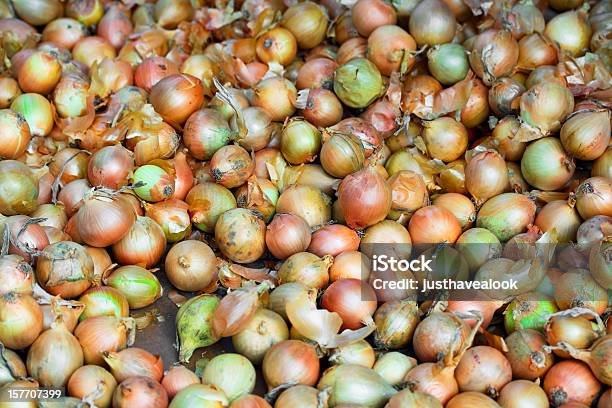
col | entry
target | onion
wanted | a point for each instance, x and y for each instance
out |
(91, 50)
(448, 63)
(536, 50)
(342, 155)
(387, 232)
(352, 48)
(16, 275)
(300, 396)
(15, 134)
(307, 202)
(104, 301)
(408, 193)
(494, 55)
(527, 355)
(133, 362)
(283, 294)
(353, 299)
(316, 73)
(433, 224)
(432, 22)
(300, 141)
(504, 96)
(353, 384)
(10, 90)
(395, 324)
(333, 240)
(190, 265)
(176, 97)
(207, 201)
(73, 163)
(571, 381)
(115, 26)
(461, 207)
(277, 45)
(602, 167)
(592, 231)
(240, 235)
(263, 330)
(561, 216)
(290, 361)
(570, 31)
(307, 269)
(445, 138)
(37, 111)
(358, 82)
(438, 335)
(545, 105)
(194, 325)
(19, 188)
(110, 167)
(140, 390)
(406, 397)
(363, 130)
(39, 73)
(144, 244)
(506, 215)
(177, 378)
(277, 96)
(367, 15)
(200, 394)
(65, 269)
(91, 380)
(393, 366)
(286, 235)
(364, 197)
(231, 373)
(21, 320)
(359, 352)
(169, 14)
(578, 289)
(391, 48)
(470, 399)
(476, 110)
(570, 328)
(522, 393)
(250, 401)
(593, 197)
(307, 21)
(64, 32)
(528, 311)
(152, 70)
(99, 334)
(26, 236)
(322, 108)
(139, 286)
(54, 356)
(11, 366)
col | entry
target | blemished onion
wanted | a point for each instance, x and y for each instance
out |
(358, 82)
(526, 354)
(144, 244)
(470, 399)
(367, 15)
(177, 378)
(316, 73)
(54, 356)
(37, 111)
(277, 96)
(536, 50)
(322, 107)
(16, 275)
(132, 362)
(92, 380)
(368, 135)
(571, 381)
(522, 393)
(545, 105)
(290, 361)
(438, 335)
(395, 324)
(176, 97)
(494, 55)
(353, 299)
(64, 32)
(139, 286)
(65, 269)
(578, 289)
(277, 45)
(341, 155)
(140, 390)
(504, 96)
(21, 320)
(152, 70)
(207, 201)
(205, 132)
(190, 265)
(307, 269)
(307, 21)
(307, 202)
(432, 22)
(104, 301)
(194, 324)
(104, 333)
(26, 236)
(364, 198)
(445, 138)
(571, 31)
(88, 12)
(110, 167)
(528, 310)
(286, 235)
(592, 231)
(593, 197)
(102, 221)
(408, 193)
(506, 215)
(433, 224)
(300, 141)
(525, 19)
(391, 48)
(486, 176)
(14, 134)
(352, 384)
(240, 235)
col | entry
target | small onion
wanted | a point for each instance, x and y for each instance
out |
(152, 70)
(307, 202)
(342, 155)
(322, 108)
(277, 96)
(110, 167)
(14, 134)
(290, 361)
(207, 201)
(494, 55)
(21, 320)
(231, 373)
(26, 236)
(278, 45)
(462, 208)
(104, 333)
(353, 299)
(445, 138)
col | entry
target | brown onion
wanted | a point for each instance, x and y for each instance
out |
(290, 361)
(307, 269)
(461, 207)
(602, 167)
(526, 354)
(144, 244)
(321, 107)
(176, 97)
(316, 73)
(476, 110)
(593, 197)
(21, 320)
(240, 235)
(190, 265)
(494, 55)
(445, 138)
(140, 390)
(276, 96)
(65, 269)
(350, 264)
(133, 362)
(89, 381)
(286, 235)
(536, 50)
(308, 23)
(342, 155)
(110, 167)
(278, 45)
(368, 15)
(333, 240)
(391, 48)
(352, 48)
(99, 334)
(152, 70)
(434, 224)
(483, 369)
(26, 236)
(177, 378)
(521, 393)
(571, 381)
(307, 202)
(577, 288)
(353, 299)
(14, 134)
(432, 22)
(586, 135)
(571, 31)
(231, 166)
(486, 176)
(64, 32)
(561, 216)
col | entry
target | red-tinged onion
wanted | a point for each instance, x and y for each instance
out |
(527, 355)
(445, 138)
(536, 50)
(140, 390)
(486, 176)
(37, 111)
(177, 378)
(363, 130)
(26, 236)
(545, 105)
(277, 96)
(592, 231)
(101, 334)
(152, 70)
(39, 73)
(571, 381)
(90, 50)
(115, 26)
(250, 401)
(322, 108)
(593, 197)
(307, 202)
(203, 68)
(240, 235)
(133, 362)
(286, 235)
(14, 134)
(316, 73)
(277, 45)
(434, 224)
(460, 206)
(91, 380)
(571, 31)
(578, 289)
(391, 48)
(16, 275)
(290, 361)
(72, 194)
(432, 22)
(144, 244)
(367, 15)
(176, 97)
(364, 198)
(110, 167)
(333, 240)
(190, 265)
(522, 393)
(562, 216)
(352, 48)
(21, 320)
(494, 55)
(64, 32)
(71, 163)
(353, 299)
(205, 132)
(104, 301)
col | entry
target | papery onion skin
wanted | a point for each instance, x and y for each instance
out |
(536, 50)
(104, 301)
(290, 361)
(207, 201)
(152, 70)
(300, 142)
(433, 224)
(25, 236)
(342, 155)
(286, 235)
(577, 288)
(176, 97)
(571, 381)
(432, 22)
(307, 269)
(354, 385)
(593, 197)
(177, 378)
(140, 287)
(333, 240)
(132, 362)
(101, 223)
(14, 134)
(462, 208)
(545, 105)
(494, 55)
(65, 269)
(16, 275)
(470, 399)
(358, 83)
(526, 354)
(19, 188)
(602, 167)
(506, 215)
(576, 331)
(364, 197)
(21, 320)
(561, 216)
(395, 324)
(308, 23)
(89, 379)
(445, 138)
(408, 193)
(190, 265)
(240, 235)
(570, 31)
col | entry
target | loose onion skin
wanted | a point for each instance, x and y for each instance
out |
(390, 48)
(65, 269)
(91, 379)
(132, 362)
(104, 333)
(571, 381)
(290, 360)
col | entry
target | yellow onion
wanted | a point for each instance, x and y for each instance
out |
(593, 197)
(104, 301)
(14, 134)
(37, 111)
(353, 48)
(486, 176)
(140, 390)
(139, 286)
(322, 107)
(313, 175)
(316, 73)
(577, 288)
(354, 384)
(363, 130)
(445, 138)
(110, 76)
(250, 401)
(54, 356)
(452, 178)
(494, 55)
(599, 264)
(367, 15)
(526, 353)
(462, 208)
(277, 96)
(300, 141)
(434, 224)
(307, 202)
(448, 63)
(536, 50)
(278, 45)
(570, 328)
(91, 380)
(546, 105)
(307, 269)
(16, 275)
(110, 167)
(21, 320)
(476, 110)
(432, 22)
(39, 73)
(64, 32)
(393, 367)
(194, 325)
(88, 12)
(169, 13)
(286, 235)
(91, 50)
(177, 378)
(364, 198)
(240, 235)
(152, 183)
(132, 362)
(26, 237)
(38, 13)
(391, 48)
(198, 394)
(104, 333)
(307, 21)
(283, 294)
(263, 330)
(504, 96)
(341, 155)
(506, 215)
(115, 26)
(562, 216)
(11, 366)
(207, 201)
(570, 31)
(176, 97)
(144, 244)
(231, 166)
(231, 373)
(586, 135)
(395, 324)
(571, 381)
(290, 361)
(190, 265)
(344, 29)
(545, 165)
(358, 83)
(503, 139)
(544, 73)
(65, 269)
(71, 163)
(471, 398)
(9, 90)
(521, 393)
(300, 396)
(408, 193)
(359, 352)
